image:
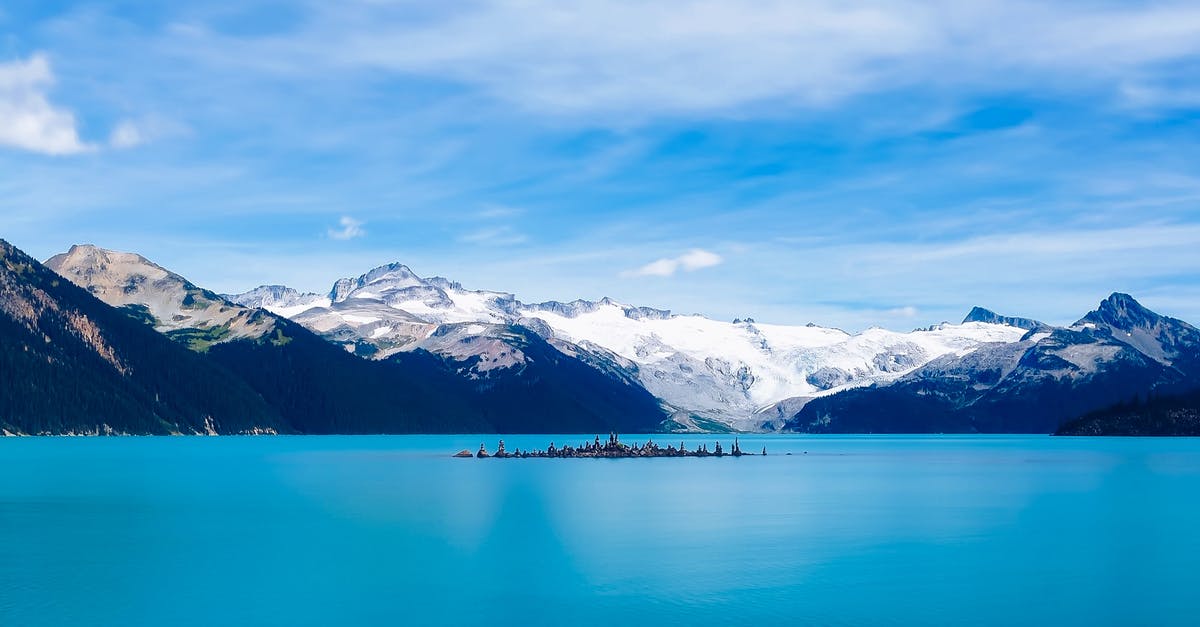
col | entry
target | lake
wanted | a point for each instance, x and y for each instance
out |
(871, 530)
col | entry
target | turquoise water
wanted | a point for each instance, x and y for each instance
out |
(390, 530)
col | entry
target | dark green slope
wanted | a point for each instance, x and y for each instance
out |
(551, 392)
(922, 405)
(320, 388)
(71, 364)
(1166, 415)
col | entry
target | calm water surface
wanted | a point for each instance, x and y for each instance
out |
(390, 530)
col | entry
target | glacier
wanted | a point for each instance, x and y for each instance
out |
(710, 373)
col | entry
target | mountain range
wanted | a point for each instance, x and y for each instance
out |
(390, 351)
(709, 374)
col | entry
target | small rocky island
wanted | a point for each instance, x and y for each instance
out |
(613, 448)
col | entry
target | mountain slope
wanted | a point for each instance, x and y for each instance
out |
(321, 389)
(546, 389)
(1167, 340)
(72, 364)
(178, 307)
(1032, 386)
(732, 371)
(1167, 415)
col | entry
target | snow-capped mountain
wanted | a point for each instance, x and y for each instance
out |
(707, 370)
(1120, 350)
(470, 377)
(730, 371)
(281, 300)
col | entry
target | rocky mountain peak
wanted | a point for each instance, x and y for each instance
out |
(174, 304)
(443, 283)
(980, 314)
(102, 272)
(390, 271)
(390, 277)
(1123, 312)
(90, 259)
(268, 296)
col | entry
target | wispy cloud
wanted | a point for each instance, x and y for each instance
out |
(962, 164)
(495, 236)
(28, 120)
(701, 56)
(126, 134)
(492, 211)
(903, 312)
(130, 133)
(690, 261)
(348, 228)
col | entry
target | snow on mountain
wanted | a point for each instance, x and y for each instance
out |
(990, 373)
(730, 371)
(714, 370)
(177, 306)
(279, 300)
(1120, 350)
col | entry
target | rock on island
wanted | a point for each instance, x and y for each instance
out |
(614, 448)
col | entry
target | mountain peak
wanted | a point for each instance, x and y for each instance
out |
(98, 269)
(395, 268)
(1122, 311)
(278, 299)
(392, 276)
(93, 258)
(1121, 300)
(129, 280)
(979, 314)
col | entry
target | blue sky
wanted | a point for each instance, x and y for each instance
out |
(889, 163)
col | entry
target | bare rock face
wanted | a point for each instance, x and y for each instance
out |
(171, 302)
(464, 453)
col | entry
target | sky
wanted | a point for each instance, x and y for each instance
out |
(883, 162)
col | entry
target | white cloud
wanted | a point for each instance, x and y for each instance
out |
(28, 120)
(690, 261)
(349, 229)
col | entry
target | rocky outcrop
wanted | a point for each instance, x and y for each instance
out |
(613, 448)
